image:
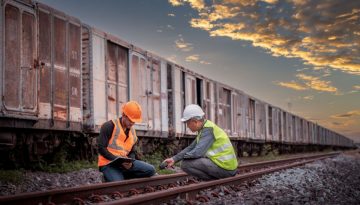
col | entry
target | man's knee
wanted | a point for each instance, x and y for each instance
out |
(150, 171)
(186, 165)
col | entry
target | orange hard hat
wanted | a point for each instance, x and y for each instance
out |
(132, 110)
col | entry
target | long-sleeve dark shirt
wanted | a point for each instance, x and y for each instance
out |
(103, 141)
(197, 150)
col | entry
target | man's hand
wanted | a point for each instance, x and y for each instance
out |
(170, 162)
(127, 165)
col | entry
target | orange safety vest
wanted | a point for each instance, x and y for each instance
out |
(117, 144)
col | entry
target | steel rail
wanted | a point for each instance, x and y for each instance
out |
(59, 196)
(67, 195)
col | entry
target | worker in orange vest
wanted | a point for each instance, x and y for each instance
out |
(117, 147)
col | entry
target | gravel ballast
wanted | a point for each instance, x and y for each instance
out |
(330, 181)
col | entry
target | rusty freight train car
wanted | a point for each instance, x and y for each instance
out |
(61, 79)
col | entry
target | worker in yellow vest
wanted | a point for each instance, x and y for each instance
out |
(117, 147)
(211, 155)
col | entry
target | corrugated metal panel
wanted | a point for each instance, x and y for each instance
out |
(243, 108)
(60, 110)
(190, 94)
(140, 83)
(116, 78)
(238, 115)
(275, 124)
(12, 58)
(292, 129)
(75, 73)
(224, 109)
(207, 100)
(269, 122)
(98, 94)
(171, 98)
(284, 127)
(306, 131)
(156, 94)
(278, 125)
(87, 75)
(178, 106)
(311, 133)
(190, 89)
(260, 119)
(213, 101)
(20, 62)
(29, 63)
(289, 127)
(235, 115)
(250, 119)
(281, 126)
(45, 111)
(122, 79)
(164, 99)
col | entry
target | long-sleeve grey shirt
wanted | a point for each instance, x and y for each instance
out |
(197, 150)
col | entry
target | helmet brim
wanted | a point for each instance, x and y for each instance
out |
(135, 119)
(184, 119)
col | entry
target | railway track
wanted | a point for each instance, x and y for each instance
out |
(154, 190)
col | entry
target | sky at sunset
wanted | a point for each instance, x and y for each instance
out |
(302, 56)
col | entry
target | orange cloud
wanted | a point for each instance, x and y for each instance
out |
(182, 45)
(292, 85)
(196, 58)
(176, 2)
(316, 84)
(293, 29)
(309, 82)
(197, 4)
(192, 58)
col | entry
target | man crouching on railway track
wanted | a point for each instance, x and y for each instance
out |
(211, 155)
(118, 139)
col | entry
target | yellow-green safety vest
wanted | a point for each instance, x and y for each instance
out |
(221, 152)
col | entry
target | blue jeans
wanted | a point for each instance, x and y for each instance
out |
(118, 173)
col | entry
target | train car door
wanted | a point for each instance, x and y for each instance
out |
(270, 122)
(154, 102)
(260, 119)
(20, 74)
(190, 89)
(224, 111)
(140, 88)
(236, 114)
(117, 78)
(250, 119)
(190, 95)
(208, 101)
(178, 100)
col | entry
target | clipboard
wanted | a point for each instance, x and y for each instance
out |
(120, 160)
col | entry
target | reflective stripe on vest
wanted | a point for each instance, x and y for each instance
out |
(117, 131)
(117, 140)
(217, 150)
(221, 152)
(227, 157)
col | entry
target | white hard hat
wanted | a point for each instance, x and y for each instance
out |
(191, 111)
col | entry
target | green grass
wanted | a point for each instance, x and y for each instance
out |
(68, 166)
(155, 159)
(12, 176)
